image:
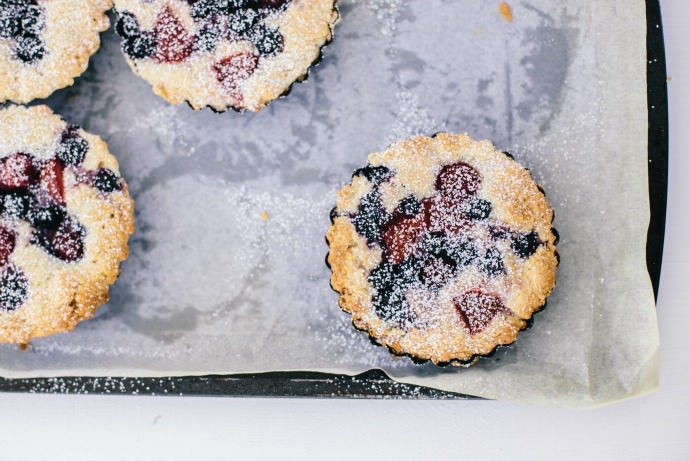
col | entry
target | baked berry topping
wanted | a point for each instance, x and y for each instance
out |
(267, 40)
(445, 215)
(173, 42)
(107, 181)
(22, 20)
(29, 49)
(15, 171)
(139, 46)
(435, 244)
(127, 26)
(492, 262)
(437, 271)
(65, 243)
(14, 288)
(477, 309)
(233, 70)
(33, 190)
(72, 148)
(8, 240)
(51, 181)
(463, 252)
(10, 23)
(375, 174)
(525, 245)
(391, 282)
(47, 217)
(458, 182)
(16, 205)
(208, 35)
(204, 8)
(31, 21)
(428, 241)
(371, 217)
(478, 209)
(402, 236)
(409, 206)
(242, 21)
(499, 232)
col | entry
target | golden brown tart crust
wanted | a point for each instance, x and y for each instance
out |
(442, 248)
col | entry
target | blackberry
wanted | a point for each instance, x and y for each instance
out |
(139, 46)
(31, 23)
(435, 244)
(106, 181)
(47, 217)
(13, 288)
(207, 38)
(205, 8)
(242, 21)
(479, 209)
(371, 217)
(16, 205)
(65, 243)
(410, 206)
(390, 282)
(127, 26)
(29, 49)
(492, 262)
(267, 40)
(73, 147)
(525, 245)
(463, 253)
(10, 24)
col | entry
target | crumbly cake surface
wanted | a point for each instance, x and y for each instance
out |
(442, 248)
(238, 54)
(65, 218)
(45, 44)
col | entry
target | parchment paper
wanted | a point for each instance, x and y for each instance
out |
(212, 286)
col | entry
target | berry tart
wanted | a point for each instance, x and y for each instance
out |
(238, 54)
(442, 248)
(65, 218)
(45, 44)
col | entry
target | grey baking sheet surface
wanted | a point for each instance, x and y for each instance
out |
(212, 288)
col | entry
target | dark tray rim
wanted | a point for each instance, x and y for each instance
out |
(375, 383)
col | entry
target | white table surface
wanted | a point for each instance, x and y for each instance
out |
(654, 427)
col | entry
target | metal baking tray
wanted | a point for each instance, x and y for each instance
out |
(375, 383)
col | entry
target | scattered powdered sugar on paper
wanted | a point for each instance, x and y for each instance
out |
(412, 118)
(387, 12)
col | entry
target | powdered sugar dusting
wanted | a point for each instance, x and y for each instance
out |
(412, 119)
(387, 12)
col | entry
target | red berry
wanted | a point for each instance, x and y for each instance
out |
(7, 244)
(444, 215)
(52, 182)
(173, 42)
(232, 70)
(15, 171)
(65, 243)
(477, 309)
(458, 182)
(402, 237)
